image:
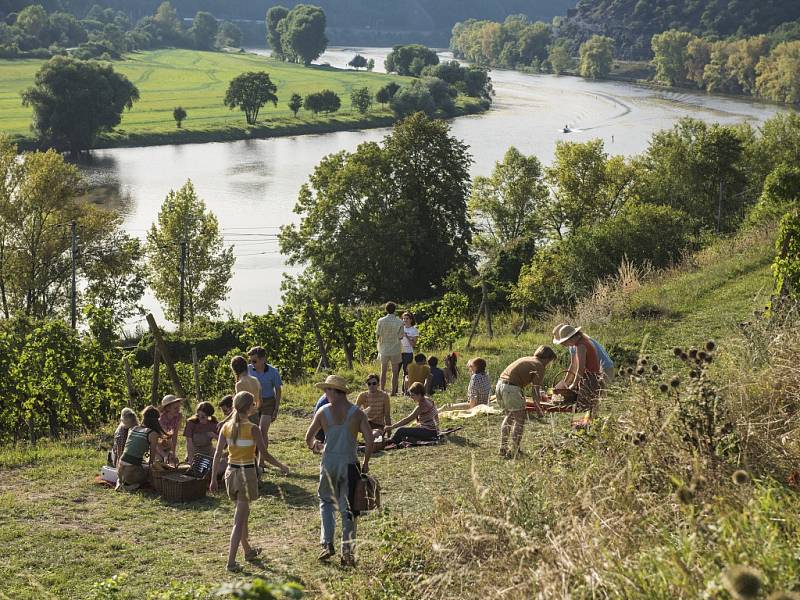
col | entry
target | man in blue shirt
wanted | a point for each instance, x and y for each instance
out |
(323, 400)
(270, 381)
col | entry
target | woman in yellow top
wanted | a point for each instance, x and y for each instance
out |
(242, 439)
(376, 405)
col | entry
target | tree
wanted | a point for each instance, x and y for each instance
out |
(39, 198)
(361, 99)
(179, 114)
(778, 75)
(370, 64)
(412, 99)
(588, 186)
(229, 35)
(596, 57)
(400, 206)
(183, 219)
(670, 56)
(508, 205)
(410, 59)
(204, 30)
(325, 101)
(700, 170)
(387, 92)
(302, 33)
(533, 42)
(168, 24)
(786, 266)
(295, 103)
(249, 92)
(357, 62)
(275, 15)
(443, 94)
(559, 58)
(477, 83)
(74, 100)
(32, 20)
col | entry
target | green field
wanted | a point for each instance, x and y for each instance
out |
(198, 81)
(579, 516)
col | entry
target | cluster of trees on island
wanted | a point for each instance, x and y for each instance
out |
(106, 33)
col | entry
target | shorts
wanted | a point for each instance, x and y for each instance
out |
(132, 474)
(509, 396)
(395, 359)
(267, 409)
(241, 483)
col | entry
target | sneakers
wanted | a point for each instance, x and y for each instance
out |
(348, 560)
(234, 568)
(327, 552)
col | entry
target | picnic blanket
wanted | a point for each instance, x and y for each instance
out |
(480, 409)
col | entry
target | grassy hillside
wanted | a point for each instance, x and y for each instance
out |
(588, 515)
(198, 82)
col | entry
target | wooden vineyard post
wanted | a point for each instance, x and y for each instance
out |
(129, 380)
(162, 348)
(154, 385)
(324, 363)
(196, 367)
(487, 310)
(474, 325)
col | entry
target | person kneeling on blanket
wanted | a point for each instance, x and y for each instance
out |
(426, 415)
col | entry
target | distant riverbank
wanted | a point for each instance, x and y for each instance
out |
(197, 81)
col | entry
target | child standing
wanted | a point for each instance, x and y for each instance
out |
(242, 439)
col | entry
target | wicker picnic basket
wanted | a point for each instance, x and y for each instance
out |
(179, 484)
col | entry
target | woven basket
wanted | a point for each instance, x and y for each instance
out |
(177, 487)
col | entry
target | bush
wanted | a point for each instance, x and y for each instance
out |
(567, 270)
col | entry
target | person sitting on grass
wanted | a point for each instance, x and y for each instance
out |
(226, 406)
(426, 414)
(142, 439)
(243, 440)
(438, 380)
(450, 368)
(170, 420)
(127, 419)
(419, 372)
(200, 431)
(606, 363)
(510, 390)
(479, 386)
(376, 405)
(585, 373)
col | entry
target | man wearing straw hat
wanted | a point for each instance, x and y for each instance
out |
(585, 374)
(606, 364)
(340, 468)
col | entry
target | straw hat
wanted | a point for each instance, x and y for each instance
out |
(169, 399)
(557, 328)
(566, 332)
(334, 381)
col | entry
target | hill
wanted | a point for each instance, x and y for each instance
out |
(583, 515)
(349, 21)
(631, 23)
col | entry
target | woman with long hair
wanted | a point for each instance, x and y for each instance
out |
(200, 431)
(243, 440)
(141, 439)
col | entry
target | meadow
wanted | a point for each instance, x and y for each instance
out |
(581, 515)
(197, 81)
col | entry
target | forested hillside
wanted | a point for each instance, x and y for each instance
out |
(347, 19)
(631, 23)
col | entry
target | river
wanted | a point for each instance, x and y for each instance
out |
(252, 185)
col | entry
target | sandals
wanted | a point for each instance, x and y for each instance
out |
(252, 555)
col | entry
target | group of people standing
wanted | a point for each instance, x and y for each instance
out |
(242, 434)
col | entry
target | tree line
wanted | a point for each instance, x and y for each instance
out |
(751, 66)
(107, 33)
